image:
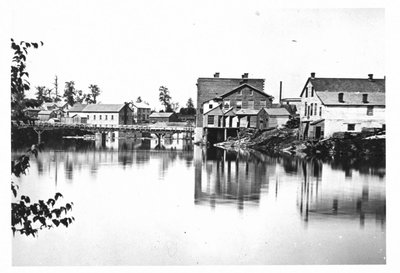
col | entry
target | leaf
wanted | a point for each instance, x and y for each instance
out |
(68, 206)
(36, 218)
(57, 195)
(64, 222)
(27, 199)
(14, 191)
(35, 45)
(43, 221)
(56, 222)
(51, 201)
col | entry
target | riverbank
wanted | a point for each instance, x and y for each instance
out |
(275, 141)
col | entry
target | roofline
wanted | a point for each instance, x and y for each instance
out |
(259, 110)
(309, 78)
(219, 78)
(244, 84)
(212, 109)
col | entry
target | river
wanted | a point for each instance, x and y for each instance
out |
(184, 205)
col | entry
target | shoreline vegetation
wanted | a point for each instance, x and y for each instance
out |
(365, 145)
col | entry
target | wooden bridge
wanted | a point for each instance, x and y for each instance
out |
(159, 130)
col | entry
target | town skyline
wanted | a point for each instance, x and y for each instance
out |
(131, 50)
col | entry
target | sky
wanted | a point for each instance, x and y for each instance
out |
(131, 48)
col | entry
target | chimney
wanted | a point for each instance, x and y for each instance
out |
(312, 75)
(245, 75)
(280, 92)
(365, 98)
(216, 75)
(370, 77)
(340, 97)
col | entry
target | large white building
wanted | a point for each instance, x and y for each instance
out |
(330, 105)
(103, 114)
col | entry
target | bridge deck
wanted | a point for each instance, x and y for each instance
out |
(107, 127)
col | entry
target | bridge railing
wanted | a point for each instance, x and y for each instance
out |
(45, 124)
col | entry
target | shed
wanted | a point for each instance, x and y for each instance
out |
(277, 117)
(45, 115)
(250, 118)
(163, 117)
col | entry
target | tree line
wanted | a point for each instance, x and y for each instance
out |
(166, 100)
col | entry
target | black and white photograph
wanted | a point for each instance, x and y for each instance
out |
(196, 134)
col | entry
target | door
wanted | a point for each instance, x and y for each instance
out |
(318, 132)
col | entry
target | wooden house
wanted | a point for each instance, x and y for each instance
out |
(330, 105)
(163, 117)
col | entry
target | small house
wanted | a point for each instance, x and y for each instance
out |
(277, 117)
(45, 115)
(141, 112)
(251, 118)
(163, 117)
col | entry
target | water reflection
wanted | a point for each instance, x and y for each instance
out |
(243, 178)
(74, 155)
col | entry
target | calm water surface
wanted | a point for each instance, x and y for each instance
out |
(184, 205)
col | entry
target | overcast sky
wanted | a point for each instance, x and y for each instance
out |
(131, 48)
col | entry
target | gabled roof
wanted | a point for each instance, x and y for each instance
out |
(346, 85)
(352, 98)
(161, 115)
(78, 107)
(32, 109)
(248, 112)
(242, 86)
(219, 106)
(61, 103)
(46, 112)
(141, 105)
(230, 112)
(47, 104)
(277, 111)
(108, 108)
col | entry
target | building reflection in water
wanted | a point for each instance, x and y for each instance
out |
(71, 155)
(338, 194)
(242, 178)
(228, 177)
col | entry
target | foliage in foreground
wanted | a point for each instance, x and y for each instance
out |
(28, 217)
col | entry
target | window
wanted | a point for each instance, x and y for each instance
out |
(112, 117)
(305, 109)
(308, 111)
(210, 106)
(106, 117)
(240, 92)
(99, 117)
(210, 120)
(351, 127)
(251, 104)
(370, 110)
(227, 104)
(306, 92)
(315, 109)
(94, 117)
(87, 116)
(340, 97)
(263, 103)
(251, 92)
(311, 109)
(238, 104)
(320, 111)
(312, 91)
